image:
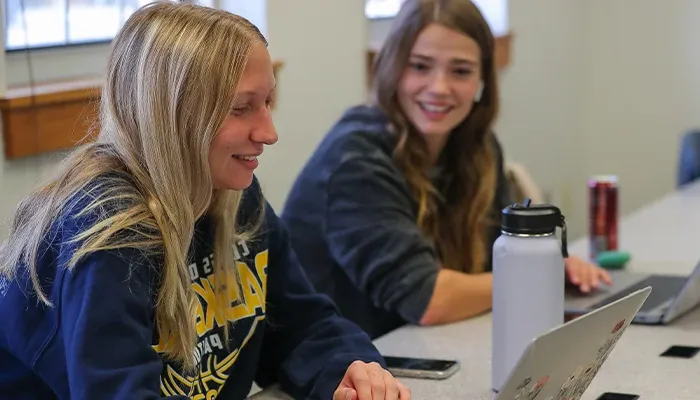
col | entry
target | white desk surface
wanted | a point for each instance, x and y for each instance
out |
(663, 237)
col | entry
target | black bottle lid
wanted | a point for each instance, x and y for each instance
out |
(533, 219)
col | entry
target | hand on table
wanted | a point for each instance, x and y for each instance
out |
(585, 275)
(363, 381)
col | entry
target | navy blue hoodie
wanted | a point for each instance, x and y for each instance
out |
(352, 220)
(99, 340)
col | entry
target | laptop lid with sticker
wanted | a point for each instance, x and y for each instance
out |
(561, 363)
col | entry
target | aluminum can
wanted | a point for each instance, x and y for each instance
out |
(603, 214)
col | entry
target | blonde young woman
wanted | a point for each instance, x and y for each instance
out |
(151, 266)
(396, 212)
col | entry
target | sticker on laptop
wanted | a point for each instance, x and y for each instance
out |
(567, 388)
(520, 389)
(523, 393)
(581, 377)
(537, 387)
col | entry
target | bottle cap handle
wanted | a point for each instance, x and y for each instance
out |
(564, 245)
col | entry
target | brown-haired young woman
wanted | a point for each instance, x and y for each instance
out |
(395, 214)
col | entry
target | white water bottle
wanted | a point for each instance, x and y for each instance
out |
(528, 282)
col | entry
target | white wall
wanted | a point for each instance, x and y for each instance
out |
(322, 44)
(610, 92)
(540, 123)
(642, 91)
(3, 74)
(56, 64)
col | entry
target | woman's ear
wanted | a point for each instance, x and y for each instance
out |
(479, 92)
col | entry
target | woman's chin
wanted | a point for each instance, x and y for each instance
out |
(238, 182)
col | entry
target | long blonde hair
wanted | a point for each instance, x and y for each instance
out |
(171, 79)
(456, 214)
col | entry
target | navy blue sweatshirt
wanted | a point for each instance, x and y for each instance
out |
(352, 220)
(99, 341)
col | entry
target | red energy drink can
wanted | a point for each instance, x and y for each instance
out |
(603, 215)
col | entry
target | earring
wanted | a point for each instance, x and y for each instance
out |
(479, 92)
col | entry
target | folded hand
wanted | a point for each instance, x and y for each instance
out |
(363, 381)
(585, 275)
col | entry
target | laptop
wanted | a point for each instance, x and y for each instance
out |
(561, 363)
(672, 297)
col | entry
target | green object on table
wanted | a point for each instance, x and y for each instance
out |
(613, 259)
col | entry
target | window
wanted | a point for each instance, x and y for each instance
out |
(375, 9)
(53, 23)
(495, 11)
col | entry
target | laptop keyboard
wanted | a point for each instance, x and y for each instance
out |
(663, 288)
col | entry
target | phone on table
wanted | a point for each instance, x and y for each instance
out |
(422, 368)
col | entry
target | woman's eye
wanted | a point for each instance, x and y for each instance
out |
(240, 110)
(463, 72)
(420, 67)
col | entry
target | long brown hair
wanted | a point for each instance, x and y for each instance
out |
(454, 215)
(170, 82)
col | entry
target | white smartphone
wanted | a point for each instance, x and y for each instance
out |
(422, 368)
